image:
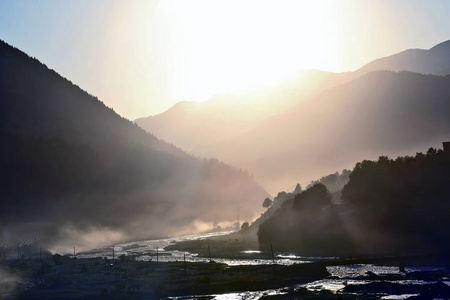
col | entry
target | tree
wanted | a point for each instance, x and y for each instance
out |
(308, 224)
(316, 197)
(244, 226)
(267, 203)
(298, 189)
(404, 201)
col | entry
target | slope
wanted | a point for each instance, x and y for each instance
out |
(435, 61)
(213, 127)
(397, 206)
(71, 168)
(379, 113)
(193, 125)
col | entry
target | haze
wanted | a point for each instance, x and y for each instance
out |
(265, 110)
(141, 57)
(318, 128)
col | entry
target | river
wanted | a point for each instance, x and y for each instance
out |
(151, 250)
(341, 276)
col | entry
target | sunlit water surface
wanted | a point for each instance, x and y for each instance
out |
(152, 250)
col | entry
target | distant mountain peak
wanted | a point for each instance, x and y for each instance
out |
(435, 61)
(442, 46)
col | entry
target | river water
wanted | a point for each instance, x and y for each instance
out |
(341, 276)
(152, 250)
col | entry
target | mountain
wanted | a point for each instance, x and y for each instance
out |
(244, 131)
(193, 125)
(73, 171)
(435, 61)
(380, 113)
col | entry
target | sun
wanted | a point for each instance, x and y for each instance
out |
(236, 45)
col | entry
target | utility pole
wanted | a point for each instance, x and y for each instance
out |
(238, 219)
(273, 256)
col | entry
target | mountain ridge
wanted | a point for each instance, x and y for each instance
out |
(194, 125)
(375, 101)
(71, 167)
(435, 61)
(215, 144)
(441, 46)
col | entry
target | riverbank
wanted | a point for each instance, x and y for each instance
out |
(136, 273)
(236, 245)
(60, 277)
(425, 276)
(97, 278)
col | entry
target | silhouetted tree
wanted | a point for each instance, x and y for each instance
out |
(267, 203)
(298, 189)
(401, 205)
(308, 224)
(316, 197)
(333, 182)
(244, 226)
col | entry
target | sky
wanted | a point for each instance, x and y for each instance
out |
(142, 57)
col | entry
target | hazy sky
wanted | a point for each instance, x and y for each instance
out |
(141, 57)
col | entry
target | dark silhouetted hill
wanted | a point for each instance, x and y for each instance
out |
(400, 205)
(390, 206)
(308, 223)
(70, 167)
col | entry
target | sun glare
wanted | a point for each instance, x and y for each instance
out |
(235, 45)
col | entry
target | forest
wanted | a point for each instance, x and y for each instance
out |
(388, 206)
(70, 166)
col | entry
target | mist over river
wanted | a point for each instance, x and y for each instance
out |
(152, 250)
(341, 276)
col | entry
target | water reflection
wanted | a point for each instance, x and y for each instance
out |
(151, 250)
(341, 276)
(251, 252)
(236, 296)
(399, 297)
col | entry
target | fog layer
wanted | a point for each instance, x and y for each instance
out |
(319, 122)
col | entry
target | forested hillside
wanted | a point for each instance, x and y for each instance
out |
(390, 206)
(70, 166)
(401, 204)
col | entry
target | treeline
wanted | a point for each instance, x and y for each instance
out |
(334, 182)
(307, 223)
(402, 204)
(388, 206)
